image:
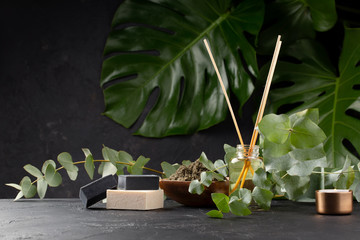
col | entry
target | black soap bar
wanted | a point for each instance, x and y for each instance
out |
(95, 191)
(138, 182)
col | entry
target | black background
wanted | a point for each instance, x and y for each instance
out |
(51, 101)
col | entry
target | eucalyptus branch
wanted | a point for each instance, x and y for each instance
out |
(317, 172)
(101, 160)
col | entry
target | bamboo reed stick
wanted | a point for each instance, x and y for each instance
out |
(266, 92)
(241, 179)
(224, 91)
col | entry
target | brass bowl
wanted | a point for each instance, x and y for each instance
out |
(178, 191)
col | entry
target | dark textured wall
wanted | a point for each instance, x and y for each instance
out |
(50, 65)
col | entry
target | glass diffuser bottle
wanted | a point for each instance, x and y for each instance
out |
(244, 154)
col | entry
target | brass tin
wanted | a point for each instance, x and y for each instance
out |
(334, 201)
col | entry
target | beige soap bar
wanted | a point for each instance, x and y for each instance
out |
(135, 199)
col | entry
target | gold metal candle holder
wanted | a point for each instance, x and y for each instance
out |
(334, 201)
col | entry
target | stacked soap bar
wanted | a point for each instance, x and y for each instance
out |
(136, 192)
(138, 182)
(96, 190)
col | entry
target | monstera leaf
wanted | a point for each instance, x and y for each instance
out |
(314, 83)
(295, 19)
(155, 47)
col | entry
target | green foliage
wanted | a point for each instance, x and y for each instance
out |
(137, 168)
(186, 162)
(302, 18)
(169, 169)
(42, 186)
(65, 160)
(180, 59)
(113, 163)
(206, 162)
(239, 202)
(33, 170)
(52, 177)
(222, 203)
(27, 188)
(215, 214)
(89, 163)
(196, 187)
(230, 153)
(262, 197)
(217, 170)
(314, 82)
(291, 155)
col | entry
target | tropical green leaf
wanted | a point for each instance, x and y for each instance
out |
(52, 177)
(27, 188)
(148, 54)
(41, 187)
(33, 170)
(196, 187)
(215, 214)
(295, 19)
(89, 163)
(314, 83)
(262, 197)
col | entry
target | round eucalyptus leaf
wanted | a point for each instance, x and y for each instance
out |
(33, 170)
(306, 134)
(196, 187)
(262, 197)
(41, 187)
(46, 163)
(239, 208)
(52, 177)
(215, 214)
(27, 188)
(275, 127)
